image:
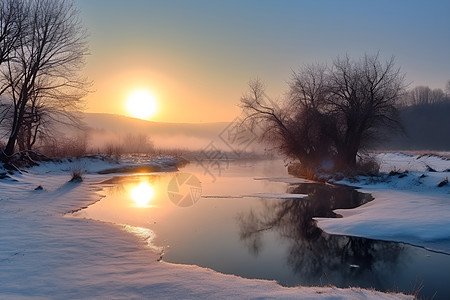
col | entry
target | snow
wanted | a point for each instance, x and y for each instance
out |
(402, 161)
(408, 207)
(46, 255)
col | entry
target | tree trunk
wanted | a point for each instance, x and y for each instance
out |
(9, 149)
(351, 158)
(18, 114)
(346, 154)
(352, 150)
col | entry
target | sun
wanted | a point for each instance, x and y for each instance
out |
(141, 104)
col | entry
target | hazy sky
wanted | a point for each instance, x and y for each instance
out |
(197, 57)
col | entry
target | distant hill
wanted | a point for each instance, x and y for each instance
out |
(427, 127)
(123, 124)
(105, 128)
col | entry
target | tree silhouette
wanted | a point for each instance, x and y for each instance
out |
(330, 113)
(43, 66)
(314, 255)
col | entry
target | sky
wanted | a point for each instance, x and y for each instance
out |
(197, 57)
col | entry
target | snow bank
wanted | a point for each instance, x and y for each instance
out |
(401, 161)
(408, 207)
(45, 255)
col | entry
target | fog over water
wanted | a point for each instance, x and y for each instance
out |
(104, 130)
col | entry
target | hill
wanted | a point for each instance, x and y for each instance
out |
(123, 124)
(106, 128)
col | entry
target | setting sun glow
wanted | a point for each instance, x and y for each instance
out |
(142, 194)
(141, 104)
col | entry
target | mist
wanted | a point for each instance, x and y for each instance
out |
(114, 133)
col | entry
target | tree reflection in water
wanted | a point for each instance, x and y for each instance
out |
(318, 258)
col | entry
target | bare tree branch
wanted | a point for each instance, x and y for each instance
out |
(330, 112)
(41, 73)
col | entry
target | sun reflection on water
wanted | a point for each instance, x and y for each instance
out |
(142, 194)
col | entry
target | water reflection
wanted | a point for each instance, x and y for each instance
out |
(134, 200)
(274, 239)
(314, 256)
(142, 194)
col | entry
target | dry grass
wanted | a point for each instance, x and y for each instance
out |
(112, 150)
(64, 147)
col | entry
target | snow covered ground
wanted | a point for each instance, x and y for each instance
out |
(47, 255)
(409, 205)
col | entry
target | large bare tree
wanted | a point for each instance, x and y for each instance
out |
(42, 73)
(364, 95)
(330, 112)
(295, 125)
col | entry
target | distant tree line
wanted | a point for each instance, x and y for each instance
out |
(329, 113)
(424, 95)
(42, 49)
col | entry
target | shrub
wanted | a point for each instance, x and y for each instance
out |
(113, 150)
(299, 170)
(77, 175)
(368, 165)
(64, 147)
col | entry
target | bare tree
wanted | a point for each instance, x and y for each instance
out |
(296, 126)
(308, 100)
(330, 113)
(437, 96)
(137, 143)
(364, 94)
(11, 26)
(45, 111)
(274, 121)
(419, 95)
(45, 64)
(424, 95)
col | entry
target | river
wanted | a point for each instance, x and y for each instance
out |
(252, 219)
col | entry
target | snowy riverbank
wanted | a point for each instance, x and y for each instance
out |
(47, 255)
(409, 204)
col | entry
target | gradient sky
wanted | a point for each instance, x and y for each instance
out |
(197, 57)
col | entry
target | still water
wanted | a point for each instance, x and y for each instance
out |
(254, 220)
